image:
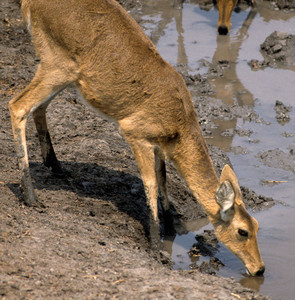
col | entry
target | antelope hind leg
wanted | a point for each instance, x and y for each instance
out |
(40, 91)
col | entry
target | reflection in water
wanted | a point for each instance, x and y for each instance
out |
(168, 14)
(251, 282)
(229, 88)
(181, 57)
(182, 230)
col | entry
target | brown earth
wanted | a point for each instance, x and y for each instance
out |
(90, 241)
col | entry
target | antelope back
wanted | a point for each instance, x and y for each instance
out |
(115, 66)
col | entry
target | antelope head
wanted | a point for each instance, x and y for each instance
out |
(225, 8)
(235, 228)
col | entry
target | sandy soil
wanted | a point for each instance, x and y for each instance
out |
(90, 241)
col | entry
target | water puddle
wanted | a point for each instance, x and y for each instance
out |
(188, 36)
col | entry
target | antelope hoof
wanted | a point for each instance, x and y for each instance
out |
(31, 200)
(55, 166)
(155, 242)
(168, 223)
(60, 172)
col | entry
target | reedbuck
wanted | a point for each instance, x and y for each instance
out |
(225, 8)
(96, 45)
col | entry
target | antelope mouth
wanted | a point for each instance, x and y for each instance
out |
(248, 272)
(257, 273)
(222, 30)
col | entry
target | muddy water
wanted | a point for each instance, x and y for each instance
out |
(188, 36)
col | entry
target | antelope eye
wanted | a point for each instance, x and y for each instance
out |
(243, 232)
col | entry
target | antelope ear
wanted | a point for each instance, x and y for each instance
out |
(229, 175)
(225, 198)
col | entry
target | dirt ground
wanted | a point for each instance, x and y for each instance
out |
(90, 241)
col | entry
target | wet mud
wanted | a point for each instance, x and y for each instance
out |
(277, 158)
(90, 240)
(283, 4)
(282, 112)
(206, 245)
(278, 52)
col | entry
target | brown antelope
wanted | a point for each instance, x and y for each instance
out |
(96, 45)
(225, 8)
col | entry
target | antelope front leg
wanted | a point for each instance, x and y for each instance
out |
(145, 157)
(161, 178)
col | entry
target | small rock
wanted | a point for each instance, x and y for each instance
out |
(277, 48)
(282, 112)
(281, 35)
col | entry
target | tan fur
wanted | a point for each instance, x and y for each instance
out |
(97, 46)
(227, 232)
(225, 8)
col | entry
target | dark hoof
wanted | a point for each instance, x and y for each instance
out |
(35, 203)
(169, 223)
(155, 245)
(59, 172)
(31, 200)
(54, 165)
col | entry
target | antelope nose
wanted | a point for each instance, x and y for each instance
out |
(260, 271)
(223, 30)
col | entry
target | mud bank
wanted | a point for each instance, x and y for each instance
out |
(90, 241)
(283, 4)
(278, 52)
